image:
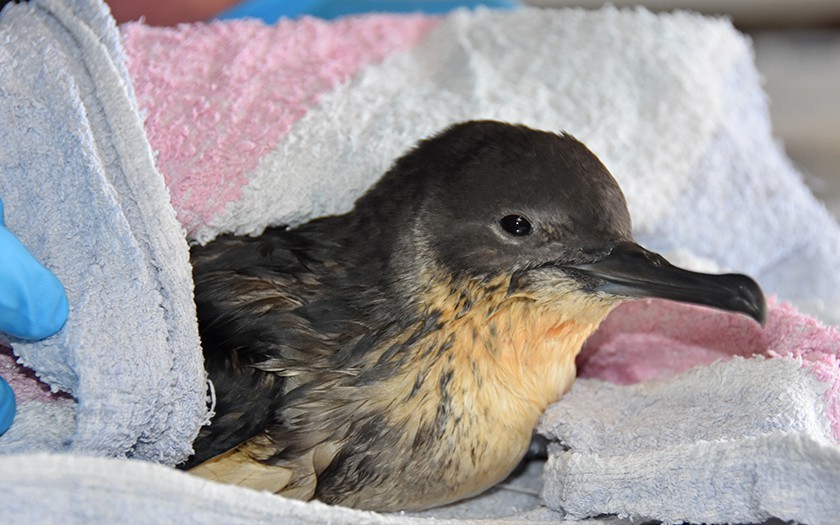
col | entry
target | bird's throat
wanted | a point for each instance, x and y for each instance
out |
(520, 346)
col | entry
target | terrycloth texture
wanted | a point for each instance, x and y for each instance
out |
(82, 193)
(219, 97)
(653, 340)
(44, 420)
(738, 441)
(671, 103)
(85, 490)
(98, 490)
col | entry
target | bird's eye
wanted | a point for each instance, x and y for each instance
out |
(516, 225)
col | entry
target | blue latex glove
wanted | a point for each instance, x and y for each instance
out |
(271, 10)
(7, 406)
(33, 304)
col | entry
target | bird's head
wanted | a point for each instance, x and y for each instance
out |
(485, 199)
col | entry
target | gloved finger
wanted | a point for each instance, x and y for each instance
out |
(7, 406)
(33, 304)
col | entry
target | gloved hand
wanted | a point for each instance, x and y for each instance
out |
(33, 304)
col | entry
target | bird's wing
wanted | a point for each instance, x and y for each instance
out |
(268, 316)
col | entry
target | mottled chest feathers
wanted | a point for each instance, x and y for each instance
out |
(455, 412)
(516, 347)
(447, 407)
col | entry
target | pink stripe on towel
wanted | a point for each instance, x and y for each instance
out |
(652, 339)
(219, 96)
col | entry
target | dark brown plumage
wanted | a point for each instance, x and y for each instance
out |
(397, 357)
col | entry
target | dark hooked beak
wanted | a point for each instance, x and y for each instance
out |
(632, 271)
